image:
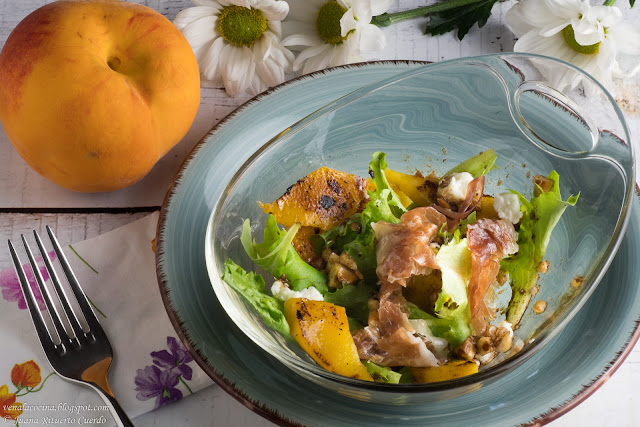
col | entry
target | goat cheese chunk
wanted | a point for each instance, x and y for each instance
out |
(456, 190)
(283, 292)
(507, 205)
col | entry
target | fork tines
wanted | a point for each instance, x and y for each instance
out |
(58, 339)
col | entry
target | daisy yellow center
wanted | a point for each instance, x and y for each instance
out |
(570, 39)
(241, 26)
(328, 22)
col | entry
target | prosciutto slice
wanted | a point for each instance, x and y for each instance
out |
(489, 241)
(403, 250)
(389, 338)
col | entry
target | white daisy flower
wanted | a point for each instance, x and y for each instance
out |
(238, 42)
(588, 37)
(334, 32)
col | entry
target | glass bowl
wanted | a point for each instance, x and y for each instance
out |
(432, 118)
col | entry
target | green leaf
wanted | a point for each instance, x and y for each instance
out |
(363, 252)
(406, 375)
(354, 298)
(632, 3)
(277, 256)
(251, 287)
(540, 216)
(354, 238)
(454, 260)
(452, 306)
(455, 329)
(382, 374)
(354, 325)
(461, 18)
(478, 165)
(384, 203)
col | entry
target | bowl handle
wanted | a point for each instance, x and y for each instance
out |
(531, 79)
(535, 131)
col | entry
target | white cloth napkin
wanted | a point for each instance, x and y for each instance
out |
(151, 368)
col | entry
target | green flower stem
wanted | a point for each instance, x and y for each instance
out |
(185, 384)
(387, 19)
(83, 260)
(609, 3)
(95, 307)
(34, 390)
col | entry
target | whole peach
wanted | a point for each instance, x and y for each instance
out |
(93, 93)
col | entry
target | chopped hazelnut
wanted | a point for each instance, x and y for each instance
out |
(543, 267)
(466, 350)
(484, 346)
(541, 182)
(539, 307)
(504, 338)
(341, 269)
(577, 281)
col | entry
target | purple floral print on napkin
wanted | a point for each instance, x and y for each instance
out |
(176, 358)
(161, 383)
(152, 382)
(10, 285)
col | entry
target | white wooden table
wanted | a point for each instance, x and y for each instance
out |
(27, 200)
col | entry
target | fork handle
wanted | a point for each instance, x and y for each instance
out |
(120, 417)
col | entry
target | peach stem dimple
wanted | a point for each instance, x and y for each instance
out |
(113, 63)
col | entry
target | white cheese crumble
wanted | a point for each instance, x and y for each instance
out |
(440, 345)
(456, 190)
(508, 207)
(283, 292)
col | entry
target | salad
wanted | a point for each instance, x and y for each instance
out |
(393, 278)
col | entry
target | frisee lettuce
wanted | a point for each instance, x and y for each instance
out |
(251, 287)
(384, 204)
(540, 216)
(278, 257)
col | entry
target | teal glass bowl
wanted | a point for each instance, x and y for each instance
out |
(431, 118)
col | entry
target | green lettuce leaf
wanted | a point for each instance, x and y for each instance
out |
(354, 298)
(452, 305)
(478, 165)
(251, 287)
(454, 329)
(406, 377)
(277, 256)
(382, 374)
(384, 204)
(540, 216)
(454, 260)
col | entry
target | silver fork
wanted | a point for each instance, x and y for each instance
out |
(83, 357)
